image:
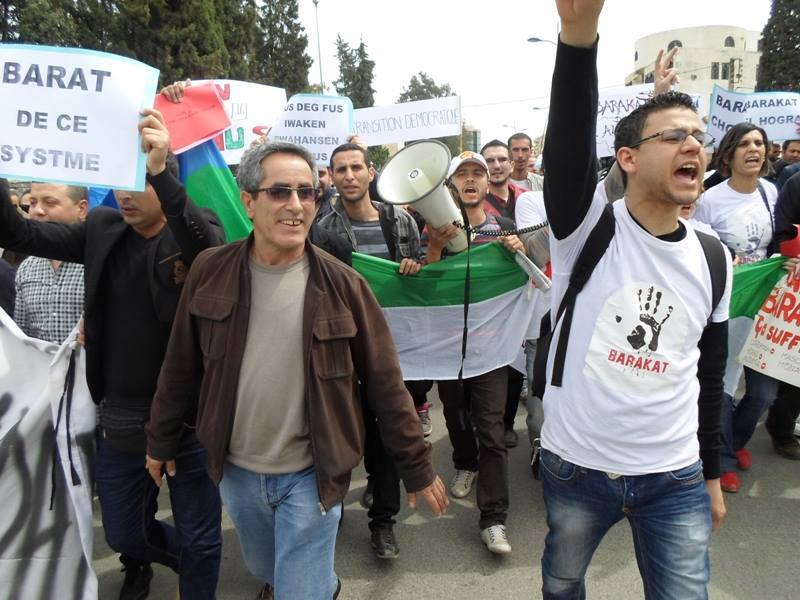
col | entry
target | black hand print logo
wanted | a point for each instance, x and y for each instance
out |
(648, 315)
(754, 235)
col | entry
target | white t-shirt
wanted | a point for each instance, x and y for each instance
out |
(628, 403)
(530, 211)
(742, 221)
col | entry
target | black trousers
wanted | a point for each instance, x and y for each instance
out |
(381, 469)
(481, 401)
(783, 413)
(515, 381)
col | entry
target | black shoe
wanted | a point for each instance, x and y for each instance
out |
(384, 544)
(366, 499)
(137, 582)
(510, 438)
(788, 449)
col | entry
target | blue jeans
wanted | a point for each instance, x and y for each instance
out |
(287, 540)
(739, 421)
(128, 500)
(669, 514)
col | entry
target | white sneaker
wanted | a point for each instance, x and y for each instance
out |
(461, 484)
(496, 539)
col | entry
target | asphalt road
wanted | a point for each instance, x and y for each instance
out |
(756, 554)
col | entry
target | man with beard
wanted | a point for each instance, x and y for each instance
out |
(501, 200)
(478, 400)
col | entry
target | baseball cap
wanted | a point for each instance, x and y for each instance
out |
(465, 157)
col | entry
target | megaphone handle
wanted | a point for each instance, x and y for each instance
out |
(541, 280)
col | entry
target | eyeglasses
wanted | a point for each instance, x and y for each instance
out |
(678, 136)
(282, 193)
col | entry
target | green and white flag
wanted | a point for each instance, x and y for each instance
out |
(752, 283)
(426, 311)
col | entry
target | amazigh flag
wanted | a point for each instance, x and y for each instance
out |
(210, 184)
(426, 311)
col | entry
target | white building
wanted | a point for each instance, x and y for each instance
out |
(721, 55)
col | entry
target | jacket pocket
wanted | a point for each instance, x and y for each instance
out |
(212, 316)
(330, 351)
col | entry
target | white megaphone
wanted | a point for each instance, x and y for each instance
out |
(416, 175)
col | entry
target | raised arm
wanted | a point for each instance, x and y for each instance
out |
(569, 150)
(194, 229)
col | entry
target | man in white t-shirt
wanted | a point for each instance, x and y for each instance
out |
(531, 212)
(626, 427)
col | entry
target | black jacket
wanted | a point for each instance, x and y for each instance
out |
(189, 230)
(8, 290)
(787, 209)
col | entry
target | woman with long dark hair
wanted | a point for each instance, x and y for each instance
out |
(740, 210)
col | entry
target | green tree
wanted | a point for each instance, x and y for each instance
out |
(181, 38)
(238, 20)
(423, 87)
(281, 58)
(356, 72)
(779, 68)
(96, 24)
(38, 22)
(378, 155)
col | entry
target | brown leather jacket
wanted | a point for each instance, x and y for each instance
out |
(345, 341)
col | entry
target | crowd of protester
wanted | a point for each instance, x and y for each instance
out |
(180, 331)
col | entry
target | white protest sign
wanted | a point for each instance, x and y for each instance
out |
(70, 115)
(425, 119)
(319, 123)
(777, 113)
(773, 346)
(253, 109)
(616, 103)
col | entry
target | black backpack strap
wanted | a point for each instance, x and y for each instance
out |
(593, 250)
(388, 228)
(715, 257)
(772, 245)
(499, 206)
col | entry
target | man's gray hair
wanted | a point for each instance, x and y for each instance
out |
(250, 173)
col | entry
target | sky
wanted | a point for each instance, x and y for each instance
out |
(480, 47)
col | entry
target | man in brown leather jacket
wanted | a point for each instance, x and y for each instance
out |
(271, 340)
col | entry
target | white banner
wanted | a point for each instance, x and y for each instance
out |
(777, 113)
(408, 121)
(773, 346)
(71, 115)
(253, 109)
(44, 553)
(320, 123)
(616, 103)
